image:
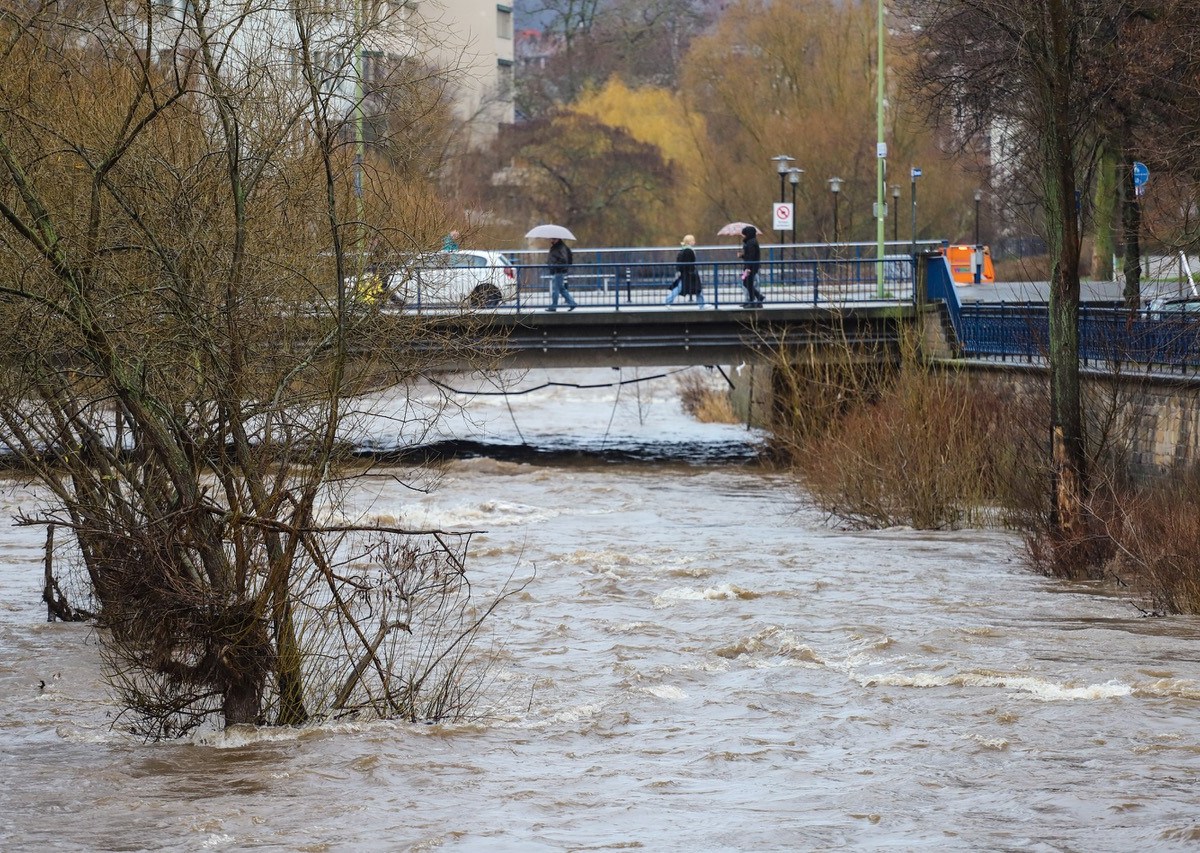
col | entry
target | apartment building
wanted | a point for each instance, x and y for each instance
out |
(479, 34)
(472, 40)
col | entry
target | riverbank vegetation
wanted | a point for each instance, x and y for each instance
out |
(704, 398)
(181, 227)
(930, 447)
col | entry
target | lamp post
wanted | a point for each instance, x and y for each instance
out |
(978, 198)
(880, 149)
(835, 187)
(914, 173)
(794, 174)
(782, 165)
(978, 247)
(895, 212)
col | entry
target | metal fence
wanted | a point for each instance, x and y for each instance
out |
(1108, 336)
(801, 274)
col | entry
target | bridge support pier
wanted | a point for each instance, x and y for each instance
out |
(753, 393)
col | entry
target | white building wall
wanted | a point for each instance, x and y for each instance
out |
(479, 42)
(472, 39)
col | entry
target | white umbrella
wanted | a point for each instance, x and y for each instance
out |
(549, 232)
(734, 229)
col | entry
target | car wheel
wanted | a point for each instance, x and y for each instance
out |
(485, 296)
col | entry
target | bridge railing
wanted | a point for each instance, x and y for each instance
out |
(643, 282)
(1108, 336)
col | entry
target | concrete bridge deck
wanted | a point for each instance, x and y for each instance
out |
(655, 336)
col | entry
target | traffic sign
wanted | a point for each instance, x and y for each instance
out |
(1141, 174)
(916, 172)
(781, 215)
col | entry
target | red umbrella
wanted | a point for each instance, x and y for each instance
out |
(734, 229)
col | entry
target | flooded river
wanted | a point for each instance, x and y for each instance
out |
(697, 662)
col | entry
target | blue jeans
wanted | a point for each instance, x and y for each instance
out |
(558, 285)
(678, 289)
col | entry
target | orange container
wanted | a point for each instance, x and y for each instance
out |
(962, 268)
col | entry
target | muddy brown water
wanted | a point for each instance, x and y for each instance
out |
(697, 662)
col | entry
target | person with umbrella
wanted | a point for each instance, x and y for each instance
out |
(750, 256)
(559, 261)
(688, 281)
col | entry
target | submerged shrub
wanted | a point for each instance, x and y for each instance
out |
(704, 399)
(917, 455)
(1155, 530)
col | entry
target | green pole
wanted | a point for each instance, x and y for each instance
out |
(880, 157)
(359, 148)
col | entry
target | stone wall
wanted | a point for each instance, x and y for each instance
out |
(1152, 421)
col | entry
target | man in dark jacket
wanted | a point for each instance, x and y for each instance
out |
(750, 255)
(559, 261)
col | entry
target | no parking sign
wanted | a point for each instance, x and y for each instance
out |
(781, 216)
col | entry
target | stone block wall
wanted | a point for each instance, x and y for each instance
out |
(1153, 420)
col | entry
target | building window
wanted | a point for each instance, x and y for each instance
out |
(504, 82)
(374, 66)
(504, 26)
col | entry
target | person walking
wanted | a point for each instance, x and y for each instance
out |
(750, 256)
(559, 261)
(688, 283)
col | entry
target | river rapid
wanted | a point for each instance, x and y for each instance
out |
(698, 661)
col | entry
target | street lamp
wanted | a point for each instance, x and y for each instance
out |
(978, 197)
(782, 166)
(895, 212)
(794, 174)
(914, 173)
(978, 247)
(835, 187)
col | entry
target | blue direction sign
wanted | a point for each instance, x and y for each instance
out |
(1140, 174)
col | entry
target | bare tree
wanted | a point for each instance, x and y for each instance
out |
(1033, 69)
(188, 200)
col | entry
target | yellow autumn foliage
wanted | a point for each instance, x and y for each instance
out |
(649, 114)
(657, 117)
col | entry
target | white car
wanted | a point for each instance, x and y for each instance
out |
(464, 277)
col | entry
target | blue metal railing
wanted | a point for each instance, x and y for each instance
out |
(1109, 336)
(790, 274)
(802, 273)
(799, 281)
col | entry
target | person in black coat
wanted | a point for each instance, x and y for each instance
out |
(688, 282)
(750, 256)
(559, 261)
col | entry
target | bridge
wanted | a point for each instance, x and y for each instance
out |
(812, 297)
(823, 296)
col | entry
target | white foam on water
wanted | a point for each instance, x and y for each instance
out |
(664, 691)
(771, 647)
(722, 592)
(1042, 689)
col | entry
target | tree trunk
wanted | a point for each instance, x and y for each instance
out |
(291, 694)
(1131, 221)
(1068, 454)
(242, 702)
(1104, 246)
